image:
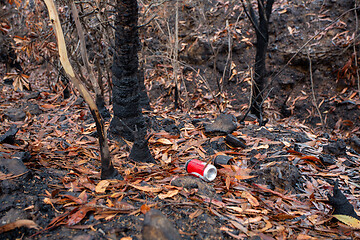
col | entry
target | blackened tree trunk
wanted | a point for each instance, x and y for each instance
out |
(144, 98)
(128, 121)
(261, 25)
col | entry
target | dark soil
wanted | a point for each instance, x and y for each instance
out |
(292, 25)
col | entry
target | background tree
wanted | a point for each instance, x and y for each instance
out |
(261, 26)
(128, 121)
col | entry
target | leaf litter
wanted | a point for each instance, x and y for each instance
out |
(242, 208)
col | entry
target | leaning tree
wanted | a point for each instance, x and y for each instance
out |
(107, 168)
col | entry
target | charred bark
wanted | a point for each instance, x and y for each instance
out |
(144, 98)
(100, 103)
(261, 25)
(128, 120)
(7, 53)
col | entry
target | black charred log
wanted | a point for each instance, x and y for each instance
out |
(7, 53)
(65, 82)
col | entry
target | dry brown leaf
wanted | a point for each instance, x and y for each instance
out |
(121, 205)
(239, 226)
(144, 208)
(169, 194)
(50, 202)
(110, 217)
(252, 200)
(109, 203)
(214, 201)
(305, 237)
(227, 182)
(236, 209)
(195, 214)
(78, 215)
(254, 219)
(166, 158)
(74, 199)
(146, 188)
(164, 141)
(83, 196)
(243, 174)
(267, 226)
(117, 194)
(48, 106)
(237, 172)
(17, 224)
(101, 186)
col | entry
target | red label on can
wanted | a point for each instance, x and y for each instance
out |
(200, 169)
(196, 166)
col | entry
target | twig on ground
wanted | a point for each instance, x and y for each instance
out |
(228, 59)
(175, 55)
(313, 92)
(354, 45)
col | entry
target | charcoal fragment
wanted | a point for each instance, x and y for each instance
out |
(340, 203)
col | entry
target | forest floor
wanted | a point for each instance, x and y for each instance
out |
(275, 188)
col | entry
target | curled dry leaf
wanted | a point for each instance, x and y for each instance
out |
(50, 202)
(48, 106)
(164, 141)
(83, 196)
(217, 203)
(19, 223)
(267, 226)
(195, 214)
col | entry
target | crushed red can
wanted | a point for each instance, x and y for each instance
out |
(201, 170)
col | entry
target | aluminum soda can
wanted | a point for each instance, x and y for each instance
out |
(197, 168)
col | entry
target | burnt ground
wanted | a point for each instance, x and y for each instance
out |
(277, 186)
(292, 25)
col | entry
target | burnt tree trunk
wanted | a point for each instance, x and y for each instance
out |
(144, 98)
(261, 25)
(128, 121)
